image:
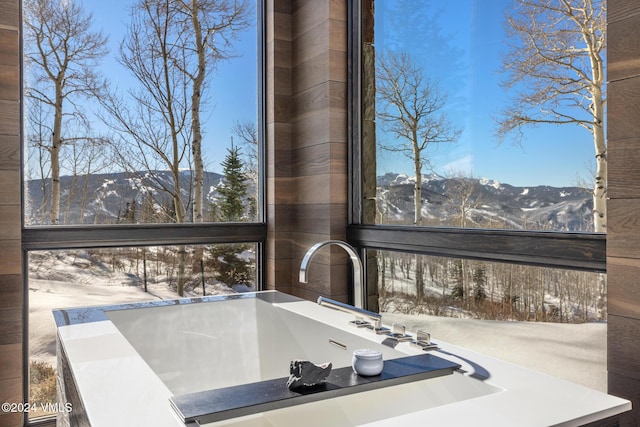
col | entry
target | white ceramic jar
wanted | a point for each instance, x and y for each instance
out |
(367, 362)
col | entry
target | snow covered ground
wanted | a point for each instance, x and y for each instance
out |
(575, 352)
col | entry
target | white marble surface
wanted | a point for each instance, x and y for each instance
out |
(119, 388)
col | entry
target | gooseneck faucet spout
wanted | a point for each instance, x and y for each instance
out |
(358, 274)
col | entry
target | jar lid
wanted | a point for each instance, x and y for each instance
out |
(368, 354)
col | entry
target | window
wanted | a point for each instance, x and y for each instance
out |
(125, 126)
(475, 163)
(477, 117)
(89, 277)
(458, 287)
(142, 157)
(439, 52)
(543, 318)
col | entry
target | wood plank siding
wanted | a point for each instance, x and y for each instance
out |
(11, 283)
(306, 122)
(623, 235)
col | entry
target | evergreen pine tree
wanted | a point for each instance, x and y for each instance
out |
(457, 279)
(129, 214)
(479, 282)
(234, 188)
(229, 267)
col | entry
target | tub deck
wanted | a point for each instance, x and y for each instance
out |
(248, 399)
(117, 386)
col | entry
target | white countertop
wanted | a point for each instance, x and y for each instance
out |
(119, 388)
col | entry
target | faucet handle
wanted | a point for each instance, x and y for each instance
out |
(423, 341)
(399, 333)
(399, 329)
(423, 337)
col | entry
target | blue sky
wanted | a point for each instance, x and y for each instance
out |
(472, 32)
(232, 92)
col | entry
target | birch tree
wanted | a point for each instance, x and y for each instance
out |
(86, 157)
(411, 108)
(209, 27)
(464, 197)
(247, 132)
(62, 53)
(555, 65)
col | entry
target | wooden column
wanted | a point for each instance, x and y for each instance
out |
(11, 288)
(280, 193)
(369, 147)
(623, 235)
(307, 144)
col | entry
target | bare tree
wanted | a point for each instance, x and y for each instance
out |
(208, 27)
(151, 123)
(38, 166)
(151, 127)
(555, 63)
(411, 109)
(62, 53)
(86, 157)
(248, 134)
(464, 196)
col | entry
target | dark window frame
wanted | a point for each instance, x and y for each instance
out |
(163, 234)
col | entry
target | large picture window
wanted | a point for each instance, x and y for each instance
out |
(140, 112)
(472, 133)
(486, 115)
(142, 157)
(480, 166)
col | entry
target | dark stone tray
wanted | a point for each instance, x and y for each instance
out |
(246, 399)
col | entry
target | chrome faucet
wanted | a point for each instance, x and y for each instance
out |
(363, 317)
(358, 274)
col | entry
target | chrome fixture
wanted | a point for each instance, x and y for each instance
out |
(364, 318)
(358, 274)
(399, 333)
(423, 341)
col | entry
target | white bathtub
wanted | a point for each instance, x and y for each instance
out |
(195, 347)
(128, 362)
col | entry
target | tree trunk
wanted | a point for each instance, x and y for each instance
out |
(417, 189)
(196, 96)
(600, 185)
(196, 131)
(56, 144)
(177, 204)
(85, 192)
(419, 277)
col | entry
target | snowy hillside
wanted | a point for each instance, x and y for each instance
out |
(484, 203)
(103, 198)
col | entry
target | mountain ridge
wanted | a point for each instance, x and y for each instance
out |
(485, 203)
(109, 197)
